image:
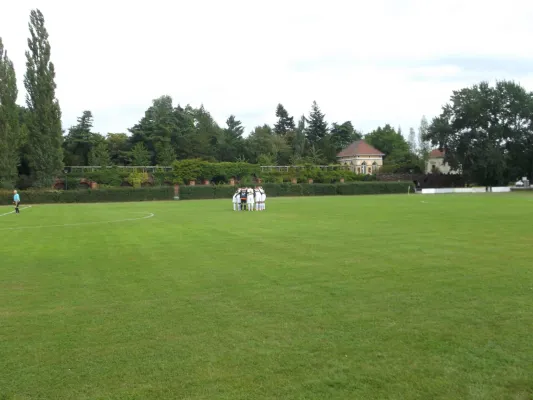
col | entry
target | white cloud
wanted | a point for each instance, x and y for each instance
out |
(370, 62)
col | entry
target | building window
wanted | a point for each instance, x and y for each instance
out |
(358, 170)
(363, 167)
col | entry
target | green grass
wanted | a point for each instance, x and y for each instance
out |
(364, 297)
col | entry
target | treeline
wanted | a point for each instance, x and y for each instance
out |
(485, 132)
(35, 148)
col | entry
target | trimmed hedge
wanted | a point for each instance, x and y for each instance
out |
(201, 192)
(91, 196)
(288, 189)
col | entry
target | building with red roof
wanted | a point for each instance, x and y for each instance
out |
(436, 163)
(361, 157)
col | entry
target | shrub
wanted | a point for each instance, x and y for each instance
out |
(358, 188)
(185, 171)
(197, 192)
(287, 189)
(223, 191)
(91, 196)
(136, 179)
(106, 176)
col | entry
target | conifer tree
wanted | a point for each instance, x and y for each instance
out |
(285, 122)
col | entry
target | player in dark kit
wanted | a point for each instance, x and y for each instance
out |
(244, 197)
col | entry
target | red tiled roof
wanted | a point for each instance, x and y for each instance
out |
(360, 148)
(436, 153)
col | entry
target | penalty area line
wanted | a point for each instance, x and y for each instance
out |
(151, 215)
(13, 212)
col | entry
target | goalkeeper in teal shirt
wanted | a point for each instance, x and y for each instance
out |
(16, 201)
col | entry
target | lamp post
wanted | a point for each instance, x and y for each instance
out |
(66, 178)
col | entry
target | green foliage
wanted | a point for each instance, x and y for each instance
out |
(193, 170)
(107, 176)
(287, 189)
(99, 155)
(165, 154)
(162, 178)
(315, 173)
(266, 159)
(137, 178)
(91, 196)
(118, 144)
(285, 123)
(318, 127)
(80, 144)
(140, 155)
(487, 132)
(44, 125)
(343, 135)
(10, 140)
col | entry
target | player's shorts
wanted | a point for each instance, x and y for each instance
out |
(17, 203)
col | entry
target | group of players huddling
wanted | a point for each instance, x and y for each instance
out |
(248, 199)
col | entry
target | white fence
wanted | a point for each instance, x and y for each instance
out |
(498, 189)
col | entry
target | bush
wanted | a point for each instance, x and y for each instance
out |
(307, 189)
(197, 192)
(224, 191)
(192, 170)
(107, 176)
(91, 196)
(358, 188)
(136, 179)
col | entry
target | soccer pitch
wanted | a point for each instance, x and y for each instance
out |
(363, 297)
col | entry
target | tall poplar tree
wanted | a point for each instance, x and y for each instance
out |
(9, 121)
(44, 125)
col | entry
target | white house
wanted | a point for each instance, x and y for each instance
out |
(361, 157)
(436, 163)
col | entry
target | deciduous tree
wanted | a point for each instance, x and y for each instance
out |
(481, 129)
(44, 125)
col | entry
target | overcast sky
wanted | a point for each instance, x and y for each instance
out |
(371, 62)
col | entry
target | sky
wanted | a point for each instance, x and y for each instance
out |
(370, 62)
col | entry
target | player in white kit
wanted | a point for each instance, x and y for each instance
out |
(262, 196)
(257, 198)
(250, 200)
(236, 201)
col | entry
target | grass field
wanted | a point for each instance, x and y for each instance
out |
(364, 297)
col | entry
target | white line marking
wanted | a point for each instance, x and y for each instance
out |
(13, 212)
(151, 215)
